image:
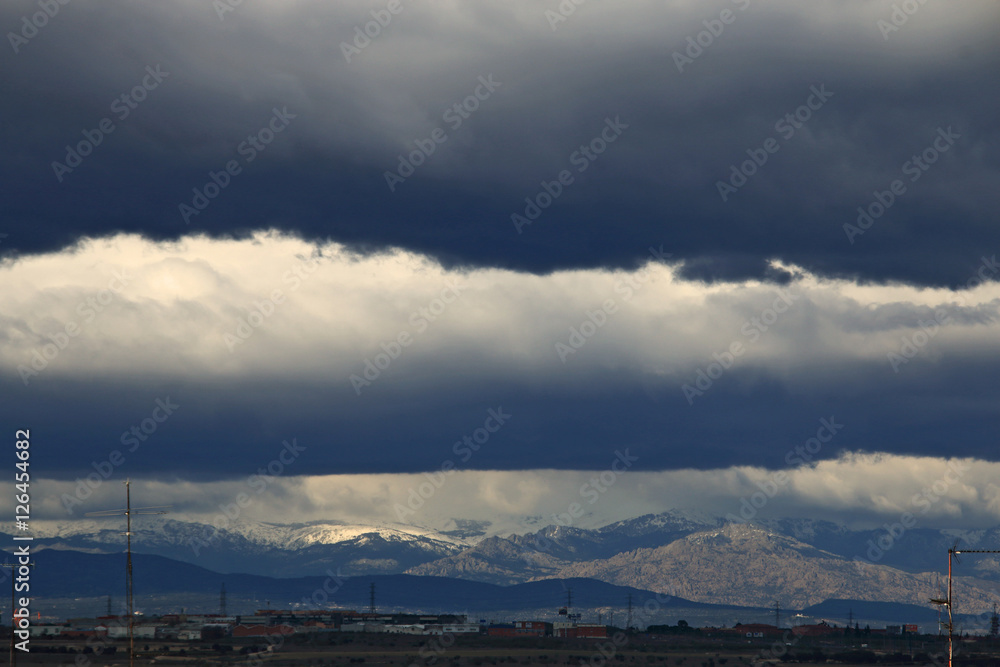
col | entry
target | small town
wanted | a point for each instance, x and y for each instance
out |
(335, 636)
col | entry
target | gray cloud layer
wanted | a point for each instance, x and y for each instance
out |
(379, 363)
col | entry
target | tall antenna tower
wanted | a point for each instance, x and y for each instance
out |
(371, 599)
(130, 602)
(948, 602)
(569, 599)
(222, 600)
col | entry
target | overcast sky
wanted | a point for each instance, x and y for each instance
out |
(689, 243)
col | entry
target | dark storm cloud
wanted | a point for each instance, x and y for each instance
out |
(323, 175)
(216, 433)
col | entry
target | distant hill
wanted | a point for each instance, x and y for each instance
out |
(71, 574)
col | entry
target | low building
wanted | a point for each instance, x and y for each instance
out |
(501, 630)
(121, 631)
(533, 628)
(405, 629)
(753, 630)
(818, 630)
(451, 628)
(46, 630)
(583, 631)
(520, 629)
(364, 627)
(262, 630)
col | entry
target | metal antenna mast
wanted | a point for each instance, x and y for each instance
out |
(128, 512)
(948, 602)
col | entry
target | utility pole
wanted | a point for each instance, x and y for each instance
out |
(129, 593)
(777, 615)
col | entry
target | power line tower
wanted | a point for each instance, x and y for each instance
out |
(129, 593)
(222, 600)
(371, 598)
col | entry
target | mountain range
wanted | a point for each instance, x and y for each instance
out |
(794, 562)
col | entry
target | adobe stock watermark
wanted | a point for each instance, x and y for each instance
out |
(223, 7)
(899, 17)
(464, 450)
(988, 269)
(699, 42)
(321, 596)
(563, 11)
(421, 320)
(248, 149)
(257, 483)
(581, 158)
(801, 455)
(30, 25)
(88, 309)
(786, 127)
(915, 167)
(122, 106)
(912, 344)
(751, 330)
(605, 652)
(262, 310)
(454, 116)
(920, 504)
(598, 317)
(363, 35)
(596, 486)
(530, 550)
(132, 439)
